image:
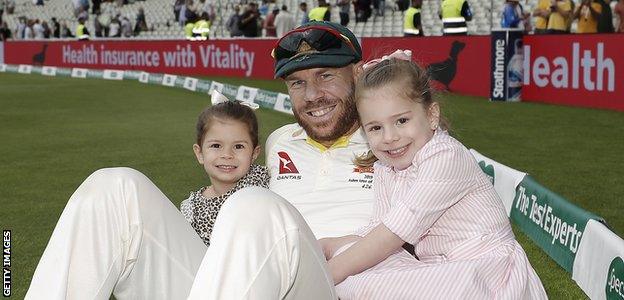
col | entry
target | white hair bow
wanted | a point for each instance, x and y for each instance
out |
(398, 54)
(217, 97)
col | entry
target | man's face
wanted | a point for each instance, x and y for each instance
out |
(323, 101)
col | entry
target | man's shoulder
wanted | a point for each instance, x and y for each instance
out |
(282, 133)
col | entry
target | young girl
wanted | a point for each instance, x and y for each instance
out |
(227, 145)
(431, 194)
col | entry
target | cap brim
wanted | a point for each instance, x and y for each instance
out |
(313, 60)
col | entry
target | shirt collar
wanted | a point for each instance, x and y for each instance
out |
(358, 137)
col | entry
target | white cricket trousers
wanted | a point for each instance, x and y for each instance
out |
(119, 234)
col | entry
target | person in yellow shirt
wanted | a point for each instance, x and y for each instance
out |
(588, 14)
(541, 14)
(560, 13)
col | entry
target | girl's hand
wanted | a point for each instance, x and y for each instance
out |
(331, 245)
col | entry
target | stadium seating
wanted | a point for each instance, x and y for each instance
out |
(160, 18)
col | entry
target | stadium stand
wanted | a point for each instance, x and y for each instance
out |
(162, 24)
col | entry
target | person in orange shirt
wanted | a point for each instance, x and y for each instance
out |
(541, 14)
(587, 14)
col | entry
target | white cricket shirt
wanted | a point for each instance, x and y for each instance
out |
(334, 196)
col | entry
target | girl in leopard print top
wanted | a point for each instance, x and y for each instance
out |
(227, 145)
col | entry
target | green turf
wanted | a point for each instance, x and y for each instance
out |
(56, 131)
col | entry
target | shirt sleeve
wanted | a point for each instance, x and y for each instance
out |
(466, 12)
(441, 180)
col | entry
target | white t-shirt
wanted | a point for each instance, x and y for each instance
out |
(334, 196)
(284, 22)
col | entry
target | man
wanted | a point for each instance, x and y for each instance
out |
(541, 14)
(232, 23)
(513, 14)
(320, 13)
(81, 30)
(284, 22)
(303, 7)
(248, 23)
(560, 13)
(411, 21)
(588, 14)
(345, 7)
(454, 15)
(269, 23)
(119, 234)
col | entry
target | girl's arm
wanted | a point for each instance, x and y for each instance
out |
(367, 252)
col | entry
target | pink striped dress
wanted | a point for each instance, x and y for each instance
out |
(447, 208)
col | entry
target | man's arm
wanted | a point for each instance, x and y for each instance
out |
(466, 12)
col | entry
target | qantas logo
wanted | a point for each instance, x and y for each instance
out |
(286, 165)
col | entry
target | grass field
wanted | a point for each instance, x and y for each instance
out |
(55, 131)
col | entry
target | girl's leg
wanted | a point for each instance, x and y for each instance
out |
(261, 248)
(118, 234)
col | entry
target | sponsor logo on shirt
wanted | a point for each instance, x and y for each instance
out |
(287, 168)
(359, 169)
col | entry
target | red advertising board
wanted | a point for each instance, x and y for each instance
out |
(459, 64)
(449, 59)
(579, 70)
(235, 58)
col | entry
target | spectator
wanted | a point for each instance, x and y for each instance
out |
(320, 13)
(285, 21)
(126, 27)
(344, 7)
(541, 14)
(105, 22)
(619, 11)
(5, 32)
(38, 31)
(411, 21)
(187, 15)
(249, 21)
(141, 23)
(233, 21)
(56, 28)
(20, 32)
(28, 31)
(269, 24)
(560, 13)
(65, 32)
(177, 7)
(303, 7)
(46, 30)
(513, 14)
(98, 28)
(363, 10)
(201, 29)
(114, 29)
(588, 14)
(605, 20)
(209, 8)
(81, 30)
(454, 15)
(264, 8)
(1, 10)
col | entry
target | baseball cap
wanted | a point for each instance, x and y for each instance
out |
(315, 44)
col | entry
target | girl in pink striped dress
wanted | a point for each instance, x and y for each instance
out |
(431, 194)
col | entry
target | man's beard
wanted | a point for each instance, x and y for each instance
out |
(346, 119)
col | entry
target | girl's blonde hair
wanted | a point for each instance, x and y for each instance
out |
(412, 79)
